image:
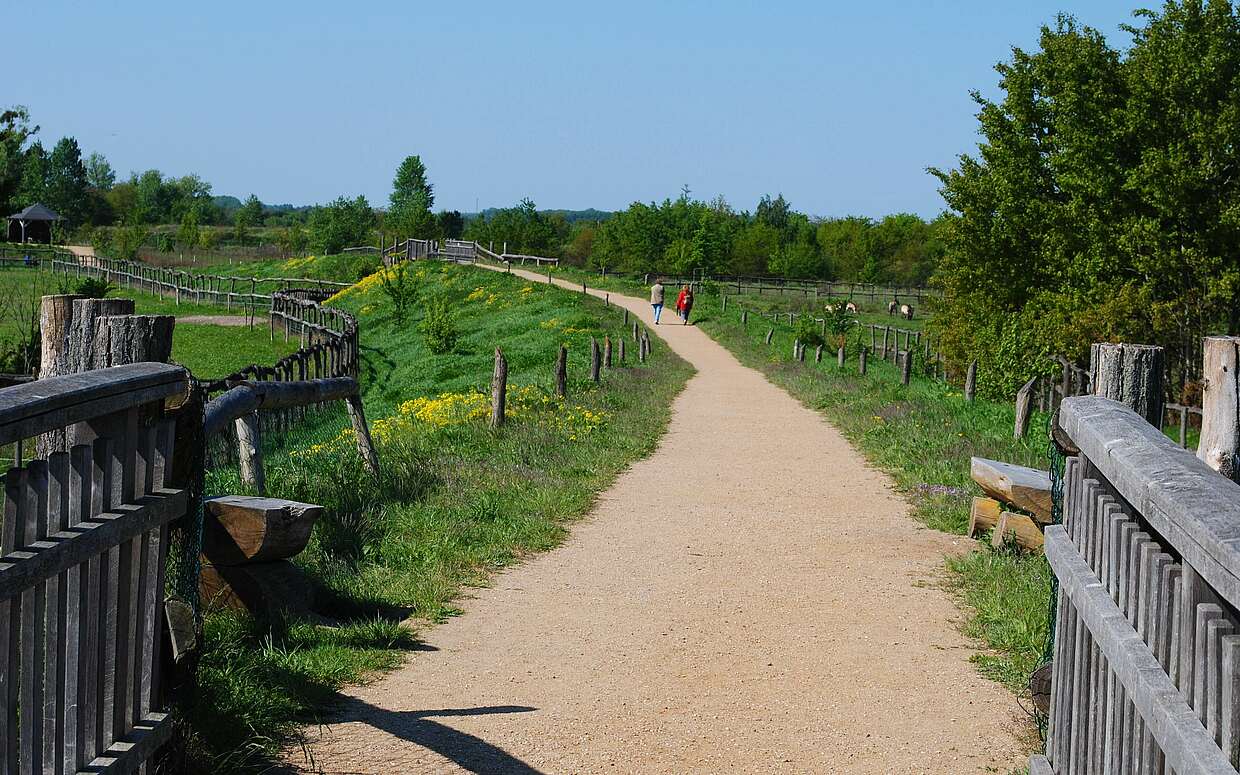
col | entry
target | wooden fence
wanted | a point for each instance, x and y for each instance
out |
(185, 286)
(1146, 669)
(82, 559)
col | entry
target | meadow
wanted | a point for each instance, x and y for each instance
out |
(456, 501)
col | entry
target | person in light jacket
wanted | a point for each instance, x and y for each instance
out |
(656, 299)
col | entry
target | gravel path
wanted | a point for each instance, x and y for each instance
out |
(751, 598)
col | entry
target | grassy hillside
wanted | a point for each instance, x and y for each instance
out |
(456, 500)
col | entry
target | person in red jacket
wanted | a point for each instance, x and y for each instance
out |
(685, 304)
(680, 304)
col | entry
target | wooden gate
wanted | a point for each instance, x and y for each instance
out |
(1146, 672)
(83, 548)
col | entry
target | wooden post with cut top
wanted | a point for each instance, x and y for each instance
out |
(1219, 446)
(561, 372)
(499, 389)
(595, 360)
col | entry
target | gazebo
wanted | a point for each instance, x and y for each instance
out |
(35, 222)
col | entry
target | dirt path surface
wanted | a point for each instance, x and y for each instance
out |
(752, 598)
(222, 320)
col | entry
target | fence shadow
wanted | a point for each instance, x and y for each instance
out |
(418, 727)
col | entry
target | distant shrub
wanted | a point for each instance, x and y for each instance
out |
(439, 327)
(401, 289)
(808, 333)
(94, 288)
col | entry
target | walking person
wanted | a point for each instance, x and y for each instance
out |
(686, 304)
(680, 303)
(656, 299)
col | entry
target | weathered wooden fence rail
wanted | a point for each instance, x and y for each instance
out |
(181, 286)
(83, 548)
(1146, 669)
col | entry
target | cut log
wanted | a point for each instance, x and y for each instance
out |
(1017, 526)
(1028, 489)
(266, 590)
(240, 529)
(1131, 374)
(1219, 447)
(984, 515)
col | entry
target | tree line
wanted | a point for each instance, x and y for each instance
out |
(1103, 203)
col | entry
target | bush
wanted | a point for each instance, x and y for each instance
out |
(401, 290)
(807, 332)
(439, 327)
(94, 288)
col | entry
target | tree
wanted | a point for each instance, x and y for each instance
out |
(33, 187)
(15, 130)
(342, 223)
(68, 190)
(249, 214)
(189, 234)
(99, 173)
(450, 224)
(409, 210)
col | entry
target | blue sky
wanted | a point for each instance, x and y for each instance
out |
(839, 106)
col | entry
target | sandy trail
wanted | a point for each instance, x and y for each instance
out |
(751, 598)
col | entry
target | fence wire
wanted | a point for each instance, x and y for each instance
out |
(1055, 459)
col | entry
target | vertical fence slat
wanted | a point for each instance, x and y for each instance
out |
(78, 646)
(10, 622)
(1229, 726)
(103, 492)
(54, 620)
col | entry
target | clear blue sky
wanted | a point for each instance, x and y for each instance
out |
(838, 105)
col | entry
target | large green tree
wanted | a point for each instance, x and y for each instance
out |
(68, 190)
(1104, 200)
(409, 206)
(341, 224)
(15, 130)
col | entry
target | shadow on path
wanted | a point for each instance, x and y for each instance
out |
(471, 753)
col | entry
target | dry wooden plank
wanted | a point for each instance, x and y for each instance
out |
(15, 505)
(984, 514)
(241, 529)
(1028, 489)
(34, 602)
(1206, 613)
(77, 648)
(1216, 630)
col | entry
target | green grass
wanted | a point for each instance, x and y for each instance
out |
(924, 436)
(209, 351)
(456, 500)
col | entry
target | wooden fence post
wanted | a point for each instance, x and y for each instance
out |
(499, 389)
(906, 367)
(796, 348)
(607, 351)
(620, 341)
(1024, 408)
(641, 349)
(861, 362)
(744, 318)
(970, 381)
(1131, 374)
(841, 356)
(818, 354)
(1220, 406)
(636, 338)
(561, 372)
(250, 452)
(769, 333)
(626, 316)
(361, 432)
(886, 332)
(595, 360)
(723, 304)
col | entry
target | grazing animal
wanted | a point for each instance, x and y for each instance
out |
(830, 308)
(892, 307)
(850, 307)
(906, 311)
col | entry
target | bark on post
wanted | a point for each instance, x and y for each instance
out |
(641, 350)
(841, 356)
(621, 343)
(970, 381)
(744, 318)
(796, 349)
(769, 333)
(818, 354)
(55, 320)
(635, 336)
(861, 362)
(626, 316)
(595, 360)
(886, 333)
(906, 368)
(361, 431)
(1131, 374)
(561, 372)
(607, 351)
(499, 389)
(1024, 398)
(250, 452)
(1219, 446)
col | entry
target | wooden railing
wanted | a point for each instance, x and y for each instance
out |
(83, 548)
(1146, 669)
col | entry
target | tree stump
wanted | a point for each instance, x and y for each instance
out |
(1131, 374)
(1219, 447)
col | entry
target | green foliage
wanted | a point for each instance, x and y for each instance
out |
(127, 240)
(1102, 205)
(523, 228)
(839, 321)
(94, 288)
(401, 290)
(34, 176)
(188, 233)
(294, 240)
(808, 332)
(341, 224)
(438, 327)
(409, 207)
